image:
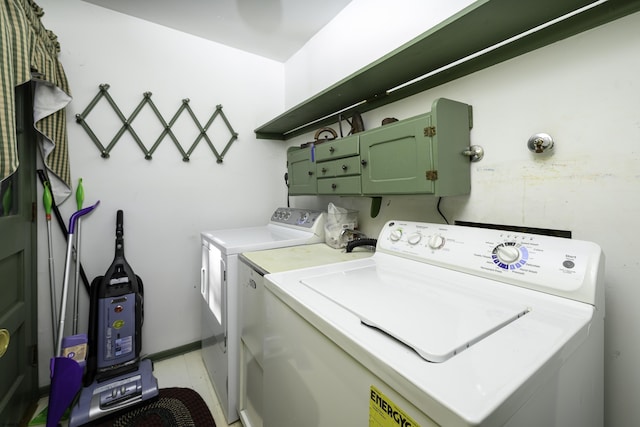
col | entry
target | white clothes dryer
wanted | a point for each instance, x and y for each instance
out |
(220, 289)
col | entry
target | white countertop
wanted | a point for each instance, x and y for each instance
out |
(303, 256)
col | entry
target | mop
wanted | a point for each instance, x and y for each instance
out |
(76, 288)
(66, 370)
(47, 199)
(63, 228)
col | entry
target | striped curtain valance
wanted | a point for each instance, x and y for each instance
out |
(30, 52)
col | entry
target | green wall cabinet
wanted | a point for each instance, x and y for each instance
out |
(419, 155)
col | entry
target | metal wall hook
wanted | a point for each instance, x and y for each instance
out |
(540, 143)
(474, 152)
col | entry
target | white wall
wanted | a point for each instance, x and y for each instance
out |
(166, 201)
(364, 31)
(585, 92)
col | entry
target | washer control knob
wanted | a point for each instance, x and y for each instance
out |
(395, 235)
(436, 241)
(414, 239)
(508, 254)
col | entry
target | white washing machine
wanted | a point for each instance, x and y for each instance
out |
(252, 268)
(220, 290)
(444, 325)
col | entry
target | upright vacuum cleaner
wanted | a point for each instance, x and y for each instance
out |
(116, 377)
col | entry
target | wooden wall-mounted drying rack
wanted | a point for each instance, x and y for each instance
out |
(148, 153)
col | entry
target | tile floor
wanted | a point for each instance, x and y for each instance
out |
(186, 370)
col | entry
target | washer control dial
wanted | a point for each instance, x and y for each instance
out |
(507, 254)
(510, 255)
(436, 241)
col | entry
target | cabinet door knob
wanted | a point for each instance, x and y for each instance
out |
(324, 170)
(363, 162)
(310, 173)
(331, 149)
(344, 167)
(334, 186)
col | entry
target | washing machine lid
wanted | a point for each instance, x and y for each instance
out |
(238, 240)
(436, 316)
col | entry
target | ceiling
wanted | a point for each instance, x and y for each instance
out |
(275, 29)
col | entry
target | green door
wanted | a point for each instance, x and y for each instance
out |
(18, 313)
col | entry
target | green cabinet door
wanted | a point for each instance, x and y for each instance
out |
(419, 155)
(396, 158)
(301, 170)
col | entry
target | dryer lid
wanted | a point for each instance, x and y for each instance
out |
(237, 240)
(437, 316)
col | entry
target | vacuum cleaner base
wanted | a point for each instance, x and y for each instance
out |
(109, 396)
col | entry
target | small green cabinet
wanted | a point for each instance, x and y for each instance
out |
(302, 171)
(419, 155)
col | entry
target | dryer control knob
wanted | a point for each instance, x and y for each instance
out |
(396, 235)
(436, 241)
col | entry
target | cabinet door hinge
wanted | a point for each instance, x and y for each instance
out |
(34, 211)
(430, 131)
(432, 175)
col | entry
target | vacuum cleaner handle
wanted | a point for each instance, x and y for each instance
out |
(119, 235)
(119, 220)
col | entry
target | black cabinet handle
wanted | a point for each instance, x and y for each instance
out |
(310, 173)
(324, 170)
(344, 167)
(331, 150)
(363, 162)
(334, 186)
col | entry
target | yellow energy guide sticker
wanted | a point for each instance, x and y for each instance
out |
(384, 413)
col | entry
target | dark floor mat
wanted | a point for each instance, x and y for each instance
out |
(174, 407)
